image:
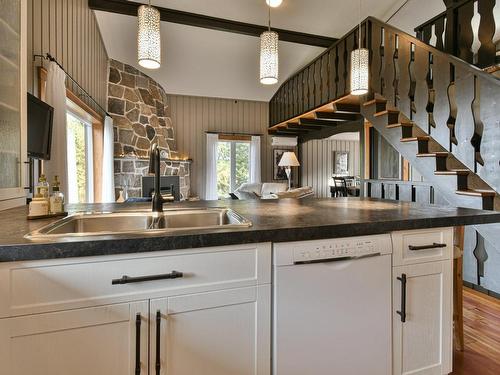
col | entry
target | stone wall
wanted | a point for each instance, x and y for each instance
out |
(141, 117)
(129, 170)
(140, 112)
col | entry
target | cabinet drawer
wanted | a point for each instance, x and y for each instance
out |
(41, 286)
(420, 246)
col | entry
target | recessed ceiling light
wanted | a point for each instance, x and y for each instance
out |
(274, 3)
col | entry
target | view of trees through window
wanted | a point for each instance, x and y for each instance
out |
(78, 164)
(233, 166)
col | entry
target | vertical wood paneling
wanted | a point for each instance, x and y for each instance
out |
(317, 163)
(193, 116)
(67, 29)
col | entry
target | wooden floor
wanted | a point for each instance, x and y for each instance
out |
(481, 335)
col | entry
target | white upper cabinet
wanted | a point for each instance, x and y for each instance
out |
(12, 102)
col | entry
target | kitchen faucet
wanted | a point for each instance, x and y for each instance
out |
(154, 167)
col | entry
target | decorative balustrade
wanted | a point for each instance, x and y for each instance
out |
(467, 29)
(323, 80)
(454, 102)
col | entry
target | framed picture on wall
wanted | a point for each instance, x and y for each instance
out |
(279, 172)
(341, 163)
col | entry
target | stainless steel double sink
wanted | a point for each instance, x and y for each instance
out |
(98, 224)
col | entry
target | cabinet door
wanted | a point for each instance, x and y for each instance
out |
(215, 333)
(422, 343)
(13, 17)
(107, 340)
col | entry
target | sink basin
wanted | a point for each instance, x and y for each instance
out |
(97, 224)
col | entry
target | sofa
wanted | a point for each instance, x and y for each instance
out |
(271, 190)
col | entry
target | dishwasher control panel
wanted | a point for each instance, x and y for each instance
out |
(318, 250)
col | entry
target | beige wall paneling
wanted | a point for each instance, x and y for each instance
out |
(317, 162)
(67, 29)
(193, 116)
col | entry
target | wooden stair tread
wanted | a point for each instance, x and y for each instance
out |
(477, 192)
(374, 101)
(413, 139)
(399, 125)
(385, 112)
(439, 154)
(461, 172)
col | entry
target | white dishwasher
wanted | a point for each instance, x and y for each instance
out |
(332, 307)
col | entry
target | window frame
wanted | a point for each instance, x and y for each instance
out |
(233, 141)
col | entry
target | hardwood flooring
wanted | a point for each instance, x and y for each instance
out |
(481, 355)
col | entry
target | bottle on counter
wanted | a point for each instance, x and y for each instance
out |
(42, 188)
(38, 207)
(56, 201)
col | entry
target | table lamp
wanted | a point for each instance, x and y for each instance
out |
(289, 160)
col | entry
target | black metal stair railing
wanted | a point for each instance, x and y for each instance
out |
(466, 29)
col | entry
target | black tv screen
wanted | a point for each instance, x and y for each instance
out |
(40, 117)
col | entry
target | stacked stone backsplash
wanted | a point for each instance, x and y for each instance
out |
(141, 117)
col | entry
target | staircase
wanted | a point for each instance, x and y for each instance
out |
(440, 112)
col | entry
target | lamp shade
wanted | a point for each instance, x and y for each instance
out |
(289, 160)
(148, 37)
(274, 3)
(359, 71)
(269, 57)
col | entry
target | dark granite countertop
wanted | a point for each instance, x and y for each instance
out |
(273, 221)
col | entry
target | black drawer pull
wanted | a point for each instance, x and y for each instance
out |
(138, 344)
(402, 312)
(139, 279)
(425, 247)
(158, 338)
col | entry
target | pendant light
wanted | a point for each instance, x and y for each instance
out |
(269, 55)
(359, 66)
(148, 37)
(274, 3)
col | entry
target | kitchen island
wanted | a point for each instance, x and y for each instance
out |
(272, 221)
(202, 302)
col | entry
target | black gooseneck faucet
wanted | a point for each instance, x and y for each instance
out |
(154, 167)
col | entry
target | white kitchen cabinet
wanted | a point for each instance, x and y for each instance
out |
(99, 340)
(13, 73)
(422, 325)
(66, 316)
(215, 333)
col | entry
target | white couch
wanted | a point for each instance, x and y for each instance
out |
(271, 190)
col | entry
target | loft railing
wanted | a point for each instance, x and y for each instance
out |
(466, 29)
(454, 102)
(321, 81)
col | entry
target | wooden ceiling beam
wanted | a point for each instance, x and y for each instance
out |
(129, 8)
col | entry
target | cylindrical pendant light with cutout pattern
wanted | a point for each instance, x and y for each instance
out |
(148, 37)
(269, 56)
(359, 65)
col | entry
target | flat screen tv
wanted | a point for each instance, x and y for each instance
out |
(40, 117)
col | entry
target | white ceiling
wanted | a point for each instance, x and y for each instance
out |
(203, 62)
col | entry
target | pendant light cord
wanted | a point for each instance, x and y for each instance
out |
(360, 20)
(269, 19)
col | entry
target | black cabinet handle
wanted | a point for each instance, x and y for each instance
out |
(425, 247)
(402, 312)
(139, 279)
(158, 338)
(138, 344)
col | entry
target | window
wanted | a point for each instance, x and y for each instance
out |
(80, 159)
(233, 166)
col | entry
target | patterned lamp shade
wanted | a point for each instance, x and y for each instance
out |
(148, 37)
(269, 57)
(359, 71)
